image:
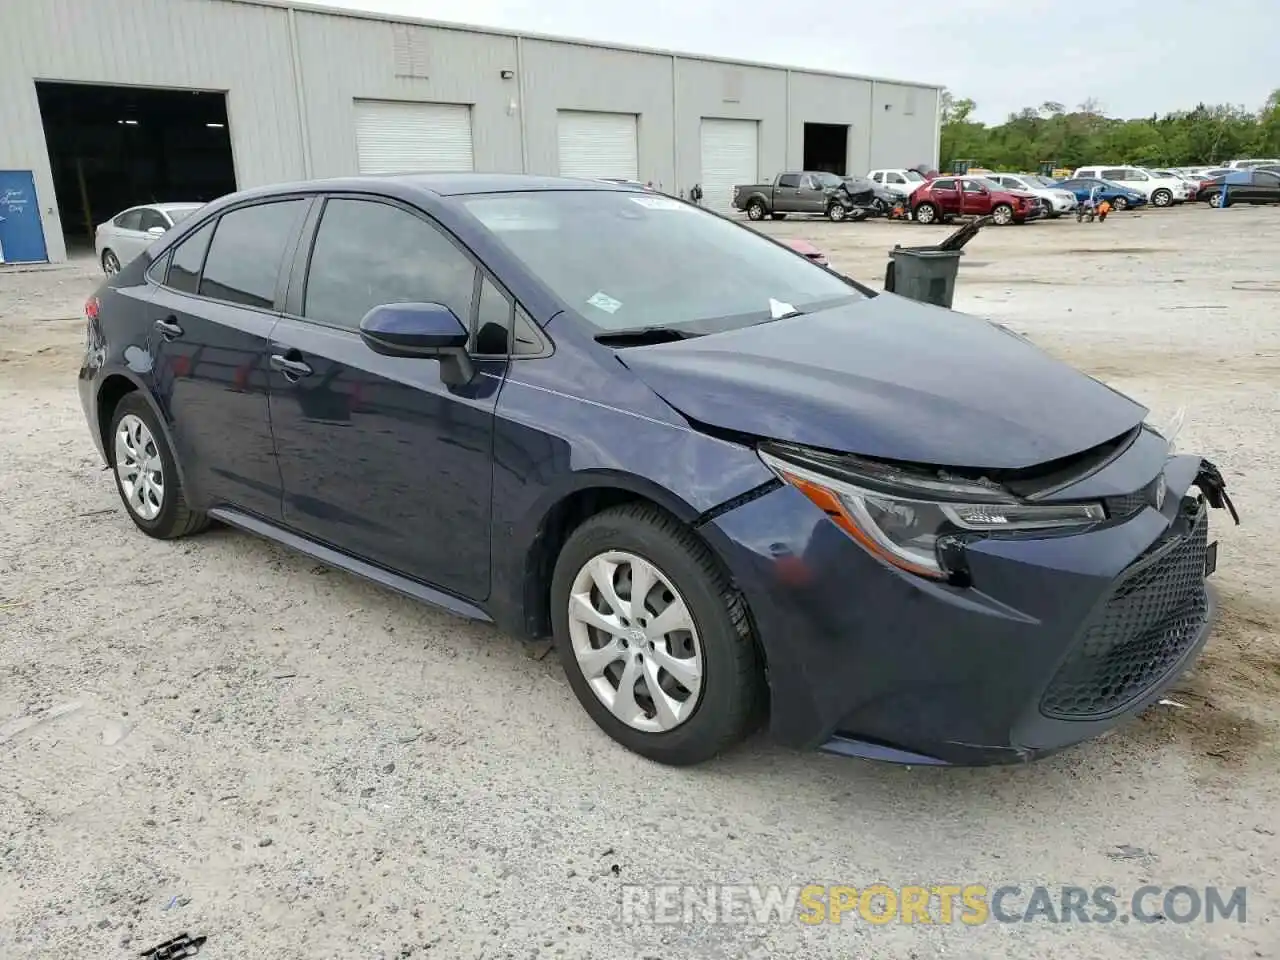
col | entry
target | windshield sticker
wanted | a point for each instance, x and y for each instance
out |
(602, 301)
(778, 309)
(659, 203)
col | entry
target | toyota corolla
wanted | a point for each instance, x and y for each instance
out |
(733, 485)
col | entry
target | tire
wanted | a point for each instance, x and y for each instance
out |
(1215, 199)
(756, 210)
(110, 263)
(925, 213)
(1162, 198)
(836, 212)
(1002, 214)
(164, 515)
(726, 705)
(1120, 203)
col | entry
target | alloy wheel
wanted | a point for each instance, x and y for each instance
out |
(110, 264)
(1120, 203)
(635, 641)
(755, 211)
(1162, 198)
(836, 212)
(925, 213)
(139, 467)
(1002, 215)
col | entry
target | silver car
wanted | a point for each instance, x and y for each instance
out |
(127, 234)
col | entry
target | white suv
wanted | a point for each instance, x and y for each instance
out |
(1059, 201)
(899, 180)
(1160, 191)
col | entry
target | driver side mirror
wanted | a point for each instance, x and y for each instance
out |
(156, 231)
(426, 330)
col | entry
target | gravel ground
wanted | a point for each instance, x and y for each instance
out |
(217, 736)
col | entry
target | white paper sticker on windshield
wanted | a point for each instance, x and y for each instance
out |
(778, 309)
(659, 203)
(602, 301)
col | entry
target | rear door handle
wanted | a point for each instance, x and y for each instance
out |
(293, 369)
(168, 329)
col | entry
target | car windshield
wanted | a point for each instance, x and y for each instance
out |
(627, 261)
(915, 175)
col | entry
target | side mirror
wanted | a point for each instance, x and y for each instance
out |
(427, 330)
(156, 231)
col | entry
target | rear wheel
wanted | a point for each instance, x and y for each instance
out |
(147, 473)
(756, 210)
(1002, 214)
(110, 263)
(1215, 198)
(1119, 203)
(654, 640)
(925, 213)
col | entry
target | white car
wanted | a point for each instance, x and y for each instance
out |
(130, 232)
(1250, 164)
(1159, 191)
(1058, 200)
(897, 180)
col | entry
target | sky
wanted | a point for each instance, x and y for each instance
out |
(1133, 59)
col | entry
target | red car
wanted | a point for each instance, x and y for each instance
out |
(946, 197)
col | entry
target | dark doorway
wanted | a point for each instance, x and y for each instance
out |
(116, 147)
(826, 145)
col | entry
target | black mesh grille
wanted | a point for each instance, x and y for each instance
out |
(1152, 617)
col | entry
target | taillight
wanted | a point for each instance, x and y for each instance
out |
(91, 308)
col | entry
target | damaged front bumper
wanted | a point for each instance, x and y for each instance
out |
(1059, 637)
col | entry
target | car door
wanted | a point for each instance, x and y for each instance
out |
(897, 183)
(946, 194)
(1266, 186)
(126, 239)
(786, 193)
(379, 456)
(975, 199)
(811, 198)
(151, 224)
(212, 315)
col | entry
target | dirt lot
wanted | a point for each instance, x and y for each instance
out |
(220, 737)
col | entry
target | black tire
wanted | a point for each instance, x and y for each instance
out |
(925, 213)
(756, 210)
(110, 263)
(1162, 198)
(176, 518)
(732, 693)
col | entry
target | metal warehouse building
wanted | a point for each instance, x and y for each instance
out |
(109, 103)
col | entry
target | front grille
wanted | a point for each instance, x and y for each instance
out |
(1142, 631)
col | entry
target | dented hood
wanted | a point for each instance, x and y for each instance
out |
(889, 378)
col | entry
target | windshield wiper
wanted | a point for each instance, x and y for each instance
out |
(642, 336)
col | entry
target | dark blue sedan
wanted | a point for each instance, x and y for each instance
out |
(1119, 196)
(731, 484)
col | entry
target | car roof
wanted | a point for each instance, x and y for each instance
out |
(438, 184)
(176, 205)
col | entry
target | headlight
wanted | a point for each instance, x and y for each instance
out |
(911, 521)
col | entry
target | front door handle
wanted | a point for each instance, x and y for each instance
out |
(293, 369)
(168, 329)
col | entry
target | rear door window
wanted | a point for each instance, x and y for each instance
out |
(243, 265)
(188, 259)
(152, 218)
(789, 180)
(944, 184)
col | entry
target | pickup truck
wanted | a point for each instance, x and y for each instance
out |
(803, 192)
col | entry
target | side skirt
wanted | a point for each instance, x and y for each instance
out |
(335, 558)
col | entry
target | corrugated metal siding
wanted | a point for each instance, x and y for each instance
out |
(192, 44)
(904, 135)
(345, 59)
(705, 88)
(565, 76)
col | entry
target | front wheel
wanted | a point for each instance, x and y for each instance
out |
(1162, 198)
(925, 213)
(1002, 214)
(836, 212)
(756, 210)
(654, 640)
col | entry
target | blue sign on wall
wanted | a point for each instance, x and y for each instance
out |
(21, 232)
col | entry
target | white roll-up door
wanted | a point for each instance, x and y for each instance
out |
(398, 137)
(598, 145)
(729, 157)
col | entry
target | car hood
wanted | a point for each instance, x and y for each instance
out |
(889, 378)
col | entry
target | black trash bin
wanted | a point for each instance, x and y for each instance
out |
(928, 274)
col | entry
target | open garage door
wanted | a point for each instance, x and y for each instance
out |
(598, 145)
(730, 156)
(400, 137)
(111, 148)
